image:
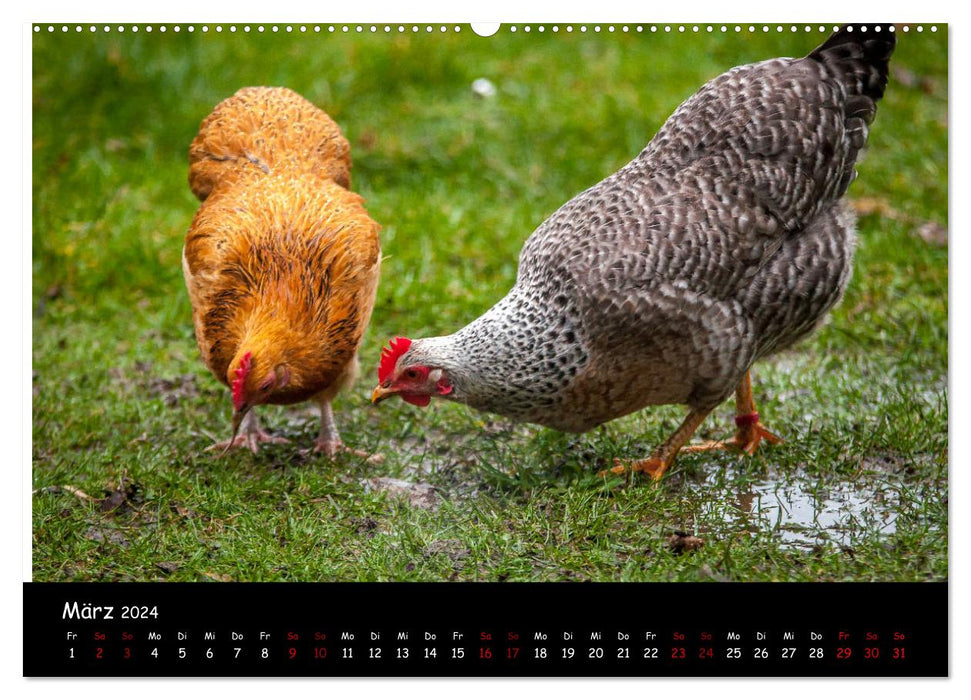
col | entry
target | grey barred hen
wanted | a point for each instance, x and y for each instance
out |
(723, 241)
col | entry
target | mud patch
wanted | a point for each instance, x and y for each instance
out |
(174, 390)
(364, 526)
(418, 495)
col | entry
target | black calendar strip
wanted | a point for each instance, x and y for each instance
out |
(459, 629)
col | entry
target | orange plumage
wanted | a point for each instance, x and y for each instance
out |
(282, 260)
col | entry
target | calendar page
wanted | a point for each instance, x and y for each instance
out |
(550, 349)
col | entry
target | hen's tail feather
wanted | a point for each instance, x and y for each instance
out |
(264, 130)
(859, 57)
(860, 53)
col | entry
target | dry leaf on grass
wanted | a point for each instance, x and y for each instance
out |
(222, 578)
(870, 206)
(74, 491)
(933, 233)
(928, 231)
(106, 534)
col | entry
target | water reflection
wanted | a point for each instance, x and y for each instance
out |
(800, 511)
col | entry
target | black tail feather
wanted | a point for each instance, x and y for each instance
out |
(861, 53)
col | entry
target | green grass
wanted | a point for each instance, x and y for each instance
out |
(123, 407)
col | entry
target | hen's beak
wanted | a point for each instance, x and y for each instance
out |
(381, 393)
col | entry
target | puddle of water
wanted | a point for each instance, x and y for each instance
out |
(801, 512)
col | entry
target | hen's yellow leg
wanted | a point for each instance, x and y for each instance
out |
(749, 431)
(664, 455)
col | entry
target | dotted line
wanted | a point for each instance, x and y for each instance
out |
(441, 29)
(246, 29)
(709, 28)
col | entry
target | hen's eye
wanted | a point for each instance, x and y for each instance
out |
(266, 385)
(411, 374)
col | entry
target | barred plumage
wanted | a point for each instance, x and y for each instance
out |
(723, 241)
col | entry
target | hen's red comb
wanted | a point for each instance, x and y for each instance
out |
(389, 357)
(245, 365)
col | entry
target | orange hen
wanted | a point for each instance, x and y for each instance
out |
(281, 261)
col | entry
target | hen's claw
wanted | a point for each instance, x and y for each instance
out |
(746, 440)
(250, 435)
(654, 466)
(251, 440)
(329, 440)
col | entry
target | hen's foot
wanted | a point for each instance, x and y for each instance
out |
(251, 439)
(663, 456)
(747, 439)
(653, 466)
(749, 431)
(332, 448)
